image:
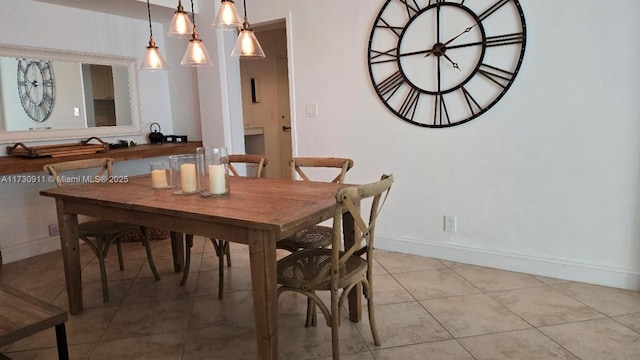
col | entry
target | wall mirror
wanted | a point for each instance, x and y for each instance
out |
(50, 94)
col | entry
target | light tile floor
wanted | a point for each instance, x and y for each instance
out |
(425, 309)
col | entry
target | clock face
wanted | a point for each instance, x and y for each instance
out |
(35, 88)
(442, 63)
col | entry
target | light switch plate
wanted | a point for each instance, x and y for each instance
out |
(311, 110)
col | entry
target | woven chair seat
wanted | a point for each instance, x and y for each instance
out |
(315, 236)
(155, 234)
(298, 269)
(94, 228)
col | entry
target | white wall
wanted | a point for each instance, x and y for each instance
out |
(544, 182)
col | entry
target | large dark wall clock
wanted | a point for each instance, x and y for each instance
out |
(442, 63)
(36, 88)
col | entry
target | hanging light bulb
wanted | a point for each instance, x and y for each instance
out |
(196, 54)
(181, 25)
(247, 45)
(227, 16)
(152, 59)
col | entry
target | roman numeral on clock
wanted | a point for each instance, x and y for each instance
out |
(496, 75)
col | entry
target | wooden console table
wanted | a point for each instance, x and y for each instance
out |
(22, 315)
(17, 165)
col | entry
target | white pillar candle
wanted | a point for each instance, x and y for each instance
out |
(217, 179)
(159, 178)
(188, 181)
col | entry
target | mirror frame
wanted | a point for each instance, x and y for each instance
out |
(86, 58)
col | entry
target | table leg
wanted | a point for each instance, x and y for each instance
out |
(177, 248)
(69, 243)
(262, 256)
(351, 233)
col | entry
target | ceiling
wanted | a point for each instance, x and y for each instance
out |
(161, 10)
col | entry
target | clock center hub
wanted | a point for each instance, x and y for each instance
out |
(439, 49)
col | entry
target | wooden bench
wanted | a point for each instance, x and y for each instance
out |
(22, 315)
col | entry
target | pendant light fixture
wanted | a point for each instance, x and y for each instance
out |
(181, 26)
(196, 54)
(227, 16)
(152, 59)
(247, 46)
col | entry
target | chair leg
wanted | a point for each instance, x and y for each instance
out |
(335, 326)
(228, 252)
(222, 250)
(372, 317)
(188, 239)
(147, 246)
(120, 258)
(100, 250)
(312, 313)
(220, 277)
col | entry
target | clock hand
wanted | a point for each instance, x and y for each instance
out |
(437, 22)
(443, 46)
(454, 64)
(428, 52)
(457, 36)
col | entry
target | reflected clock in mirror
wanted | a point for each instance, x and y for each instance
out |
(65, 95)
(36, 88)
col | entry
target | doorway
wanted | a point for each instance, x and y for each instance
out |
(266, 106)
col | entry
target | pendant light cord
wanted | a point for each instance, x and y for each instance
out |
(149, 13)
(193, 16)
(245, 9)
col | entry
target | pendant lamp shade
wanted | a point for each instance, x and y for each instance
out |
(196, 54)
(152, 59)
(181, 26)
(247, 46)
(227, 16)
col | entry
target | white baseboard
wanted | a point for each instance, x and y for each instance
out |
(556, 268)
(17, 252)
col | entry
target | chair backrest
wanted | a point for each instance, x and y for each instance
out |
(259, 160)
(298, 164)
(348, 200)
(104, 167)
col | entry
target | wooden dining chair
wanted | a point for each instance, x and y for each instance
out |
(222, 246)
(316, 236)
(99, 234)
(335, 269)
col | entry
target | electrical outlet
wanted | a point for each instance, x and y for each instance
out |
(54, 230)
(450, 223)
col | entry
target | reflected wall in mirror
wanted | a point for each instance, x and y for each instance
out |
(93, 95)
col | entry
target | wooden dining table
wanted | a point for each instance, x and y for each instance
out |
(257, 212)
